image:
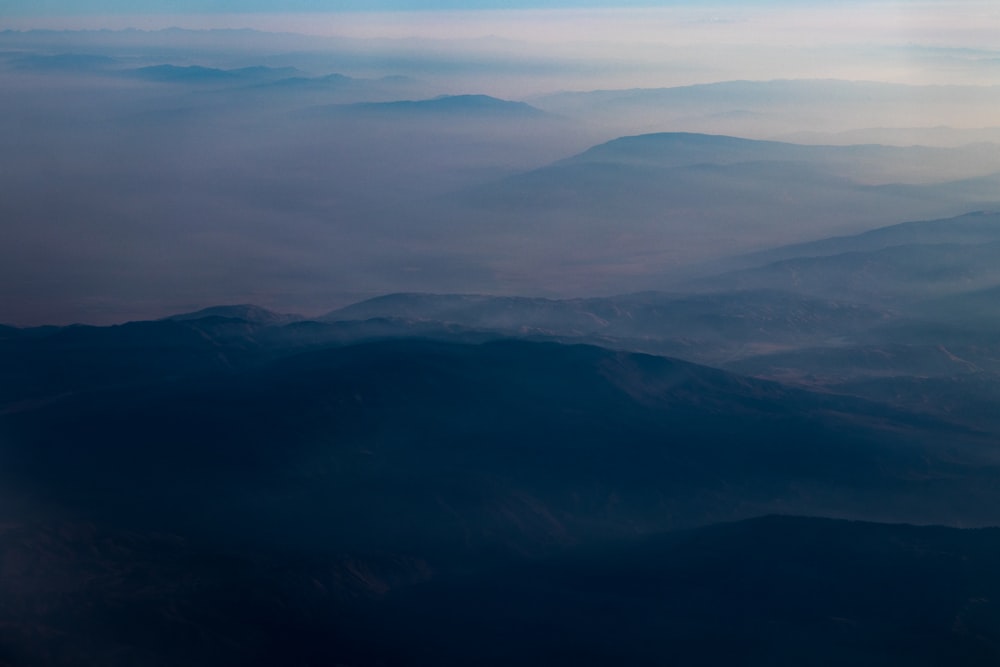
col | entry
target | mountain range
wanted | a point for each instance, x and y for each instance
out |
(589, 378)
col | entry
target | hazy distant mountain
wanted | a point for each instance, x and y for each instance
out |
(666, 201)
(862, 164)
(831, 345)
(894, 275)
(708, 327)
(900, 136)
(842, 364)
(971, 228)
(748, 94)
(458, 105)
(196, 74)
(247, 312)
(968, 394)
(299, 90)
(183, 74)
(980, 308)
(904, 262)
(777, 107)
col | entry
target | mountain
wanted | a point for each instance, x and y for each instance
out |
(776, 107)
(895, 136)
(261, 72)
(183, 74)
(507, 445)
(445, 105)
(864, 164)
(197, 74)
(777, 590)
(971, 228)
(247, 312)
(216, 491)
(667, 202)
(296, 90)
(771, 591)
(77, 592)
(43, 364)
(703, 327)
(979, 308)
(753, 94)
(894, 275)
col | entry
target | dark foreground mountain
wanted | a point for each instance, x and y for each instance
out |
(453, 449)
(776, 591)
(772, 591)
(509, 445)
(225, 496)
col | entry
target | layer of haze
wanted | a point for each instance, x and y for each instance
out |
(134, 192)
(541, 50)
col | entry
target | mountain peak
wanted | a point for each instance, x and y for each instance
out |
(244, 311)
(457, 104)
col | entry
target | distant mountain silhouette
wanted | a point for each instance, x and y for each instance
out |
(246, 312)
(679, 199)
(778, 590)
(777, 106)
(782, 591)
(893, 274)
(525, 445)
(980, 307)
(749, 94)
(865, 164)
(705, 327)
(970, 228)
(925, 136)
(198, 74)
(446, 105)
(183, 74)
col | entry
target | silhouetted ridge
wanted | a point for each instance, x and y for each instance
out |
(198, 74)
(779, 591)
(454, 104)
(247, 312)
(971, 228)
(194, 73)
